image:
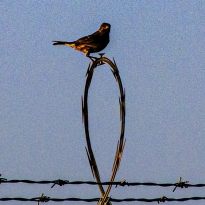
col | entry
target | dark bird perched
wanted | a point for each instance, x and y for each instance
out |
(92, 43)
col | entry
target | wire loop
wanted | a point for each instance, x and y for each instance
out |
(121, 143)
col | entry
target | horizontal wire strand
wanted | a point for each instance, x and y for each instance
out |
(110, 199)
(95, 183)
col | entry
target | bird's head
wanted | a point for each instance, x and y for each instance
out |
(105, 27)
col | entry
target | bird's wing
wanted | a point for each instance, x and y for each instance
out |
(90, 39)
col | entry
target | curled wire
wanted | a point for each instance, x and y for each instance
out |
(121, 143)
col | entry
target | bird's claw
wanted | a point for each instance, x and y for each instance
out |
(93, 59)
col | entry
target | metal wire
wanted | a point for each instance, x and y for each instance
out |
(110, 199)
(121, 143)
(66, 182)
(118, 156)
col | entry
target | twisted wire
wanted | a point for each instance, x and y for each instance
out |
(111, 199)
(121, 143)
(27, 181)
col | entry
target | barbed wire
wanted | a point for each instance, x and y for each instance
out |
(104, 199)
(121, 143)
(46, 199)
(123, 183)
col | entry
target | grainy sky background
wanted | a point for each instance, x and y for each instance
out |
(159, 47)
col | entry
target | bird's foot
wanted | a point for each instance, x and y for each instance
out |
(101, 54)
(92, 58)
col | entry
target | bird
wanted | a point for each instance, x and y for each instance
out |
(92, 43)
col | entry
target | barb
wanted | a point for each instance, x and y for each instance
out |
(122, 183)
(162, 199)
(181, 184)
(2, 179)
(43, 199)
(121, 143)
(60, 182)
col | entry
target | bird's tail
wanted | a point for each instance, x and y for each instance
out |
(63, 43)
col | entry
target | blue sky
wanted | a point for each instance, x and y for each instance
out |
(159, 48)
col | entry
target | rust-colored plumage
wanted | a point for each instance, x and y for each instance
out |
(92, 43)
